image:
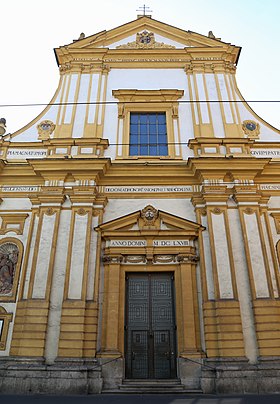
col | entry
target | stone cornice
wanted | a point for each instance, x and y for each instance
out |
(164, 95)
(212, 59)
(58, 169)
(216, 168)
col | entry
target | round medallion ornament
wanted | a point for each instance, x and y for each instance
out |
(45, 129)
(251, 129)
(251, 126)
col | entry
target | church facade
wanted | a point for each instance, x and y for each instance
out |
(140, 224)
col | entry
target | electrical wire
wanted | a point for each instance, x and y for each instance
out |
(135, 102)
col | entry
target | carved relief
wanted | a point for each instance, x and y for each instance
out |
(8, 261)
(65, 67)
(135, 259)
(82, 212)
(186, 258)
(149, 214)
(45, 129)
(153, 259)
(251, 129)
(249, 211)
(112, 259)
(49, 211)
(145, 40)
(164, 259)
(217, 211)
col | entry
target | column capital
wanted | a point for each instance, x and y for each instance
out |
(246, 193)
(48, 196)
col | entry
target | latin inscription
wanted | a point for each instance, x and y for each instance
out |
(128, 243)
(270, 187)
(143, 243)
(171, 243)
(263, 153)
(26, 153)
(149, 189)
(7, 188)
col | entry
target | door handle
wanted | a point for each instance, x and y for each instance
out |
(169, 353)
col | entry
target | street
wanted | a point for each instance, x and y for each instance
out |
(141, 399)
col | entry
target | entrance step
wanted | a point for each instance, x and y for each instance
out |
(172, 386)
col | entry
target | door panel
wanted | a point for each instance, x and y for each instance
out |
(150, 326)
(139, 355)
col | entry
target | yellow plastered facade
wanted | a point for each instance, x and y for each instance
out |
(75, 204)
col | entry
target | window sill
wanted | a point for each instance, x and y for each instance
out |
(153, 158)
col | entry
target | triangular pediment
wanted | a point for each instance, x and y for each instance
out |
(127, 33)
(144, 35)
(148, 220)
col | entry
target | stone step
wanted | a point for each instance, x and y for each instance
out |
(152, 382)
(172, 386)
(148, 390)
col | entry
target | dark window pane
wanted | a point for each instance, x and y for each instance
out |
(144, 139)
(133, 129)
(144, 130)
(153, 139)
(143, 119)
(133, 118)
(162, 139)
(148, 136)
(153, 151)
(143, 150)
(134, 139)
(161, 119)
(152, 129)
(133, 151)
(161, 129)
(163, 150)
(152, 119)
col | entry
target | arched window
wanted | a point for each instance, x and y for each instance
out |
(10, 257)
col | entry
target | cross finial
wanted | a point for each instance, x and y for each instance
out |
(144, 9)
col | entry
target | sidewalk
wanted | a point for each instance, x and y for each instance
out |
(141, 399)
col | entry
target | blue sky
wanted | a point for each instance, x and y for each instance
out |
(31, 29)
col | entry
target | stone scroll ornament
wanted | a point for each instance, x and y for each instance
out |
(8, 260)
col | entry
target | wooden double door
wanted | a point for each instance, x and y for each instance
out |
(150, 327)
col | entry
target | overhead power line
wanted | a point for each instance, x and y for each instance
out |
(135, 102)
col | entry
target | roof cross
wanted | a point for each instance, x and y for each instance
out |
(144, 9)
